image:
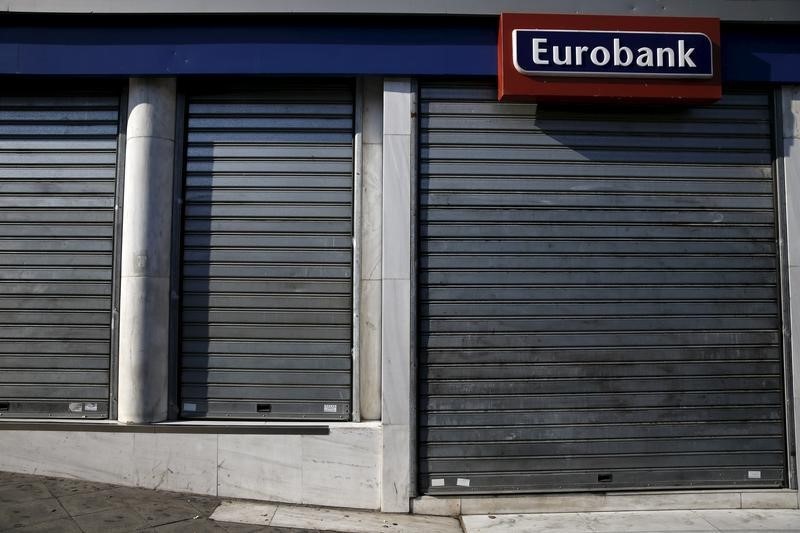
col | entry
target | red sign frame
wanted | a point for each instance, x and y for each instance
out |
(514, 86)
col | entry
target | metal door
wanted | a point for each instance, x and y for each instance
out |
(58, 172)
(598, 296)
(267, 252)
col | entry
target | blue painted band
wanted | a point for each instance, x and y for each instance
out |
(415, 47)
(279, 49)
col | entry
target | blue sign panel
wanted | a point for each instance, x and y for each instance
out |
(750, 53)
(613, 54)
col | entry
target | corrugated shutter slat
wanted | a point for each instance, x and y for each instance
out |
(267, 253)
(58, 156)
(598, 296)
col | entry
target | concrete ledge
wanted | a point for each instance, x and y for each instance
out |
(431, 505)
(589, 502)
(779, 499)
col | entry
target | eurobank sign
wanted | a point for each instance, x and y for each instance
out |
(576, 57)
(598, 53)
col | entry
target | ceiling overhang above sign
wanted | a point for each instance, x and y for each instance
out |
(596, 58)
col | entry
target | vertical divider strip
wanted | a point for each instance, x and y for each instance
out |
(358, 137)
(176, 261)
(414, 195)
(113, 385)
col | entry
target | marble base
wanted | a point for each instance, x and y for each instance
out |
(305, 469)
(609, 502)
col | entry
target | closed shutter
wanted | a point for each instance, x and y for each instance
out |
(58, 156)
(267, 253)
(599, 303)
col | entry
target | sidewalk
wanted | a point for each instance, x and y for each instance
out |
(54, 505)
(45, 504)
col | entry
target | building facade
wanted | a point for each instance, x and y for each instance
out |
(363, 254)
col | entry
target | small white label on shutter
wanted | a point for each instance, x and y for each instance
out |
(754, 474)
(329, 408)
(90, 406)
(76, 407)
(462, 482)
(437, 482)
(189, 407)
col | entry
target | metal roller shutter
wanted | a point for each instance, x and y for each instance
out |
(58, 166)
(267, 253)
(598, 296)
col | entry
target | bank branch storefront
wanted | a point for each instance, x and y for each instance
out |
(403, 261)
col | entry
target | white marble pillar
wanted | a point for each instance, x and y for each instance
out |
(371, 224)
(398, 106)
(146, 251)
(790, 165)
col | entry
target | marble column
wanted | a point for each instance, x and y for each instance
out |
(146, 251)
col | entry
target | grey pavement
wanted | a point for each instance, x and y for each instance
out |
(47, 504)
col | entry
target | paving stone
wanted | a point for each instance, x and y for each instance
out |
(18, 514)
(248, 528)
(200, 525)
(120, 520)
(253, 513)
(64, 487)
(16, 477)
(92, 502)
(234, 527)
(167, 512)
(270, 529)
(230, 527)
(140, 495)
(63, 525)
(205, 505)
(23, 492)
